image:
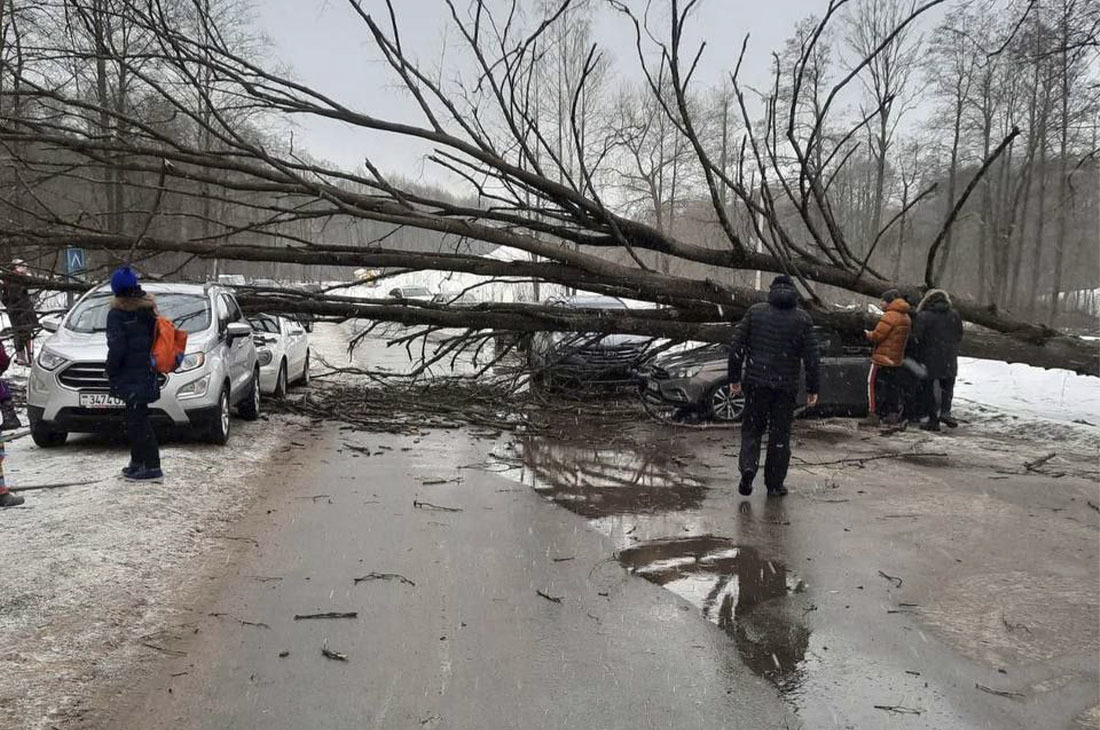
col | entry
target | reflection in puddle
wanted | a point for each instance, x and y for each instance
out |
(599, 482)
(736, 588)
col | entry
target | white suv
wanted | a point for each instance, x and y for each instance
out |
(68, 389)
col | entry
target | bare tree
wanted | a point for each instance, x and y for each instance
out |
(488, 130)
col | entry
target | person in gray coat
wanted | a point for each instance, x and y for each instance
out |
(938, 331)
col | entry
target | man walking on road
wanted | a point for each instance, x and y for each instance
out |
(770, 345)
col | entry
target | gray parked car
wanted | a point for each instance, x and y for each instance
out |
(695, 383)
(68, 390)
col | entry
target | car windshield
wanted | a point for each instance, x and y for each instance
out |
(265, 324)
(189, 312)
(416, 291)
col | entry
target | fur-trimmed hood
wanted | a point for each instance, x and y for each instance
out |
(935, 296)
(134, 304)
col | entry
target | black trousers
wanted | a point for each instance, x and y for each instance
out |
(144, 448)
(938, 396)
(914, 406)
(884, 391)
(771, 409)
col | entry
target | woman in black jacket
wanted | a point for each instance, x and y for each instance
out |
(938, 332)
(131, 327)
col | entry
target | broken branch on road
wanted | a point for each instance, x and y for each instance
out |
(998, 692)
(434, 507)
(334, 655)
(547, 596)
(330, 614)
(383, 576)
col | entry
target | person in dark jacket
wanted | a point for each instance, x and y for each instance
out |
(131, 326)
(770, 345)
(16, 299)
(938, 330)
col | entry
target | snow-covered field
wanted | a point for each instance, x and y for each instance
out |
(92, 573)
(1029, 393)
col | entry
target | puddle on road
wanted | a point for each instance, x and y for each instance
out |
(595, 481)
(757, 601)
(746, 595)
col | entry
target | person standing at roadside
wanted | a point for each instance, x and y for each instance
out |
(937, 332)
(770, 346)
(131, 328)
(890, 335)
(16, 299)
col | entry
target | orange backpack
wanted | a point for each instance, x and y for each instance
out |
(169, 344)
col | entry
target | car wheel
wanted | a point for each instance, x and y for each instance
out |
(218, 430)
(280, 382)
(724, 406)
(47, 438)
(305, 371)
(249, 409)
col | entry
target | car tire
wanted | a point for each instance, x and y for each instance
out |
(46, 438)
(217, 432)
(724, 407)
(249, 408)
(280, 382)
(304, 380)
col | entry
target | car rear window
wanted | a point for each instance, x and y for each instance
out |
(189, 312)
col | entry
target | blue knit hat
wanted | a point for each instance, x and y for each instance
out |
(124, 282)
(782, 280)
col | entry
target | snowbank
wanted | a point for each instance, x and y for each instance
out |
(92, 573)
(1029, 392)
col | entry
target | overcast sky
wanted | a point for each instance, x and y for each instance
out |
(329, 48)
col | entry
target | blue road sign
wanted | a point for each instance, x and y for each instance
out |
(76, 261)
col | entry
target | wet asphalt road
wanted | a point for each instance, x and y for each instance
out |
(669, 602)
(471, 645)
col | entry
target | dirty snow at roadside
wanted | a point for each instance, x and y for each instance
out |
(92, 573)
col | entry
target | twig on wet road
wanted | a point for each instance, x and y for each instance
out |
(330, 614)
(59, 485)
(335, 655)
(241, 621)
(893, 579)
(898, 709)
(860, 460)
(998, 692)
(434, 507)
(383, 576)
(547, 596)
(1034, 465)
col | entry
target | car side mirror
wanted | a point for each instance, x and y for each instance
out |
(237, 330)
(51, 324)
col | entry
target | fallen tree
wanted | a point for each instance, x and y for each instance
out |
(772, 205)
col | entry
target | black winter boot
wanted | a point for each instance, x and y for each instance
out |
(7, 499)
(11, 420)
(745, 487)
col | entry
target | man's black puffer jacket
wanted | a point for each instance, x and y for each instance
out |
(772, 341)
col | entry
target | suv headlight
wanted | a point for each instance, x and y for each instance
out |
(192, 361)
(687, 372)
(50, 360)
(194, 389)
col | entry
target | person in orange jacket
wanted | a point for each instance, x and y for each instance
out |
(889, 338)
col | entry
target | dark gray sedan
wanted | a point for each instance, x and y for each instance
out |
(695, 383)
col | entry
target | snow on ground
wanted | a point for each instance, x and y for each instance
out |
(92, 572)
(1028, 392)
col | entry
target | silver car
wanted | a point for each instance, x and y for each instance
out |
(68, 391)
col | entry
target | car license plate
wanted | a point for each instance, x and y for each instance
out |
(100, 400)
(653, 385)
